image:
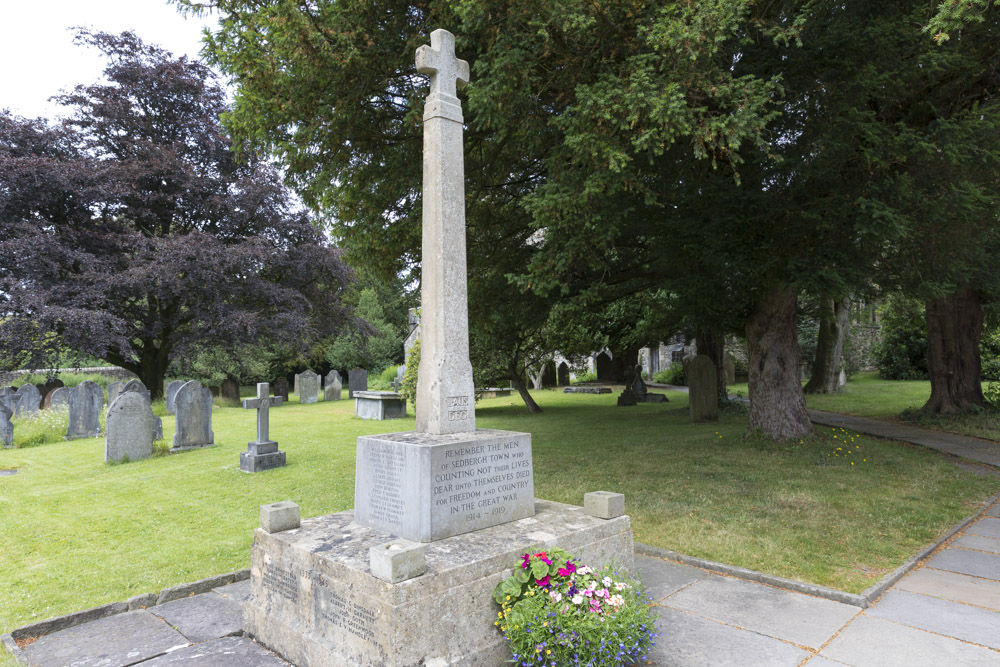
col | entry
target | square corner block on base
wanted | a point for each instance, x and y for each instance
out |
(314, 600)
(256, 463)
(604, 504)
(397, 560)
(280, 516)
(426, 487)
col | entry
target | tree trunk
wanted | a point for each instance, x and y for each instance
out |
(518, 381)
(622, 361)
(954, 329)
(825, 378)
(712, 344)
(777, 405)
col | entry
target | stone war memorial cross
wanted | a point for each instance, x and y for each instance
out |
(262, 454)
(443, 512)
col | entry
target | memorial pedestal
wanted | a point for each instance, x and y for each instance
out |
(314, 600)
(261, 456)
(379, 405)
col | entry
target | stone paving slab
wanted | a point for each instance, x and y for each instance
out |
(988, 527)
(978, 542)
(875, 642)
(953, 586)
(963, 561)
(802, 619)
(972, 624)
(224, 652)
(994, 511)
(124, 639)
(662, 578)
(820, 661)
(690, 640)
(239, 591)
(202, 617)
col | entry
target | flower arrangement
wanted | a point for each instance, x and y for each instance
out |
(556, 613)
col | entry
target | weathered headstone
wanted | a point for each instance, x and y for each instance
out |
(6, 426)
(333, 387)
(638, 386)
(686, 365)
(842, 378)
(48, 387)
(230, 391)
(563, 372)
(295, 385)
(281, 388)
(703, 392)
(114, 389)
(138, 387)
(7, 396)
(262, 454)
(308, 387)
(157, 428)
(171, 393)
(628, 397)
(27, 401)
(729, 367)
(194, 417)
(129, 428)
(56, 399)
(85, 403)
(357, 380)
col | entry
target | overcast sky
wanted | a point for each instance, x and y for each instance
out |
(38, 56)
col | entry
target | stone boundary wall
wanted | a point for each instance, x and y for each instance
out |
(111, 371)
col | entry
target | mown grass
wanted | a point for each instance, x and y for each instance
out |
(867, 395)
(77, 533)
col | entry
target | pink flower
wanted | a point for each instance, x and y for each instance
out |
(541, 555)
(603, 593)
(543, 582)
(524, 561)
(568, 570)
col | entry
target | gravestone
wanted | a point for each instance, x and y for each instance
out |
(628, 397)
(357, 380)
(295, 386)
(230, 391)
(114, 389)
(563, 373)
(602, 366)
(686, 365)
(135, 386)
(333, 387)
(7, 396)
(703, 392)
(194, 417)
(642, 393)
(842, 378)
(171, 393)
(729, 367)
(129, 428)
(308, 387)
(262, 454)
(314, 596)
(48, 387)
(157, 428)
(57, 399)
(27, 401)
(281, 388)
(379, 405)
(85, 403)
(6, 426)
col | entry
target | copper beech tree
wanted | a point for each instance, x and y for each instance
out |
(129, 231)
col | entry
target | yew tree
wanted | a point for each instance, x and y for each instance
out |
(130, 231)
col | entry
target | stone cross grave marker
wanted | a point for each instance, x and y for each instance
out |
(333, 387)
(27, 400)
(445, 391)
(129, 429)
(6, 426)
(194, 417)
(308, 390)
(85, 403)
(171, 394)
(263, 453)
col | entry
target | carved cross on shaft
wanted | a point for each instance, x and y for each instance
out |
(262, 403)
(447, 72)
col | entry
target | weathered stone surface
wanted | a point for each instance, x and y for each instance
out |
(333, 387)
(263, 453)
(222, 652)
(445, 400)
(426, 487)
(379, 405)
(689, 640)
(586, 390)
(56, 399)
(136, 386)
(987, 527)
(281, 388)
(157, 428)
(240, 591)
(357, 380)
(873, 642)
(628, 397)
(129, 428)
(315, 602)
(203, 617)
(662, 578)
(6, 426)
(308, 387)
(952, 586)
(194, 417)
(27, 401)
(976, 563)
(230, 390)
(295, 384)
(397, 560)
(704, 390)
(604, 504)
(201, 586)
(978, 542)
(171, 394)
(85, 403)
(114, 389)
(802, 619)
(943, 617)
(124, 639)
(279, 516)
(7, 397)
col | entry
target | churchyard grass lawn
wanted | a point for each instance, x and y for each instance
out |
(867, 395)
(76, 533)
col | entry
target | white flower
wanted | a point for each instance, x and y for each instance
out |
(606, 581)
(577, 599)
(583, 570)
(603, 593)
(616, 600)
(556, 596)
(592, 586)
(621, 585)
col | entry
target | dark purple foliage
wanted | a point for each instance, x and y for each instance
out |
(131, 232)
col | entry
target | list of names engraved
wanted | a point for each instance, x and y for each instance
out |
(385, 500)
(281, 583)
